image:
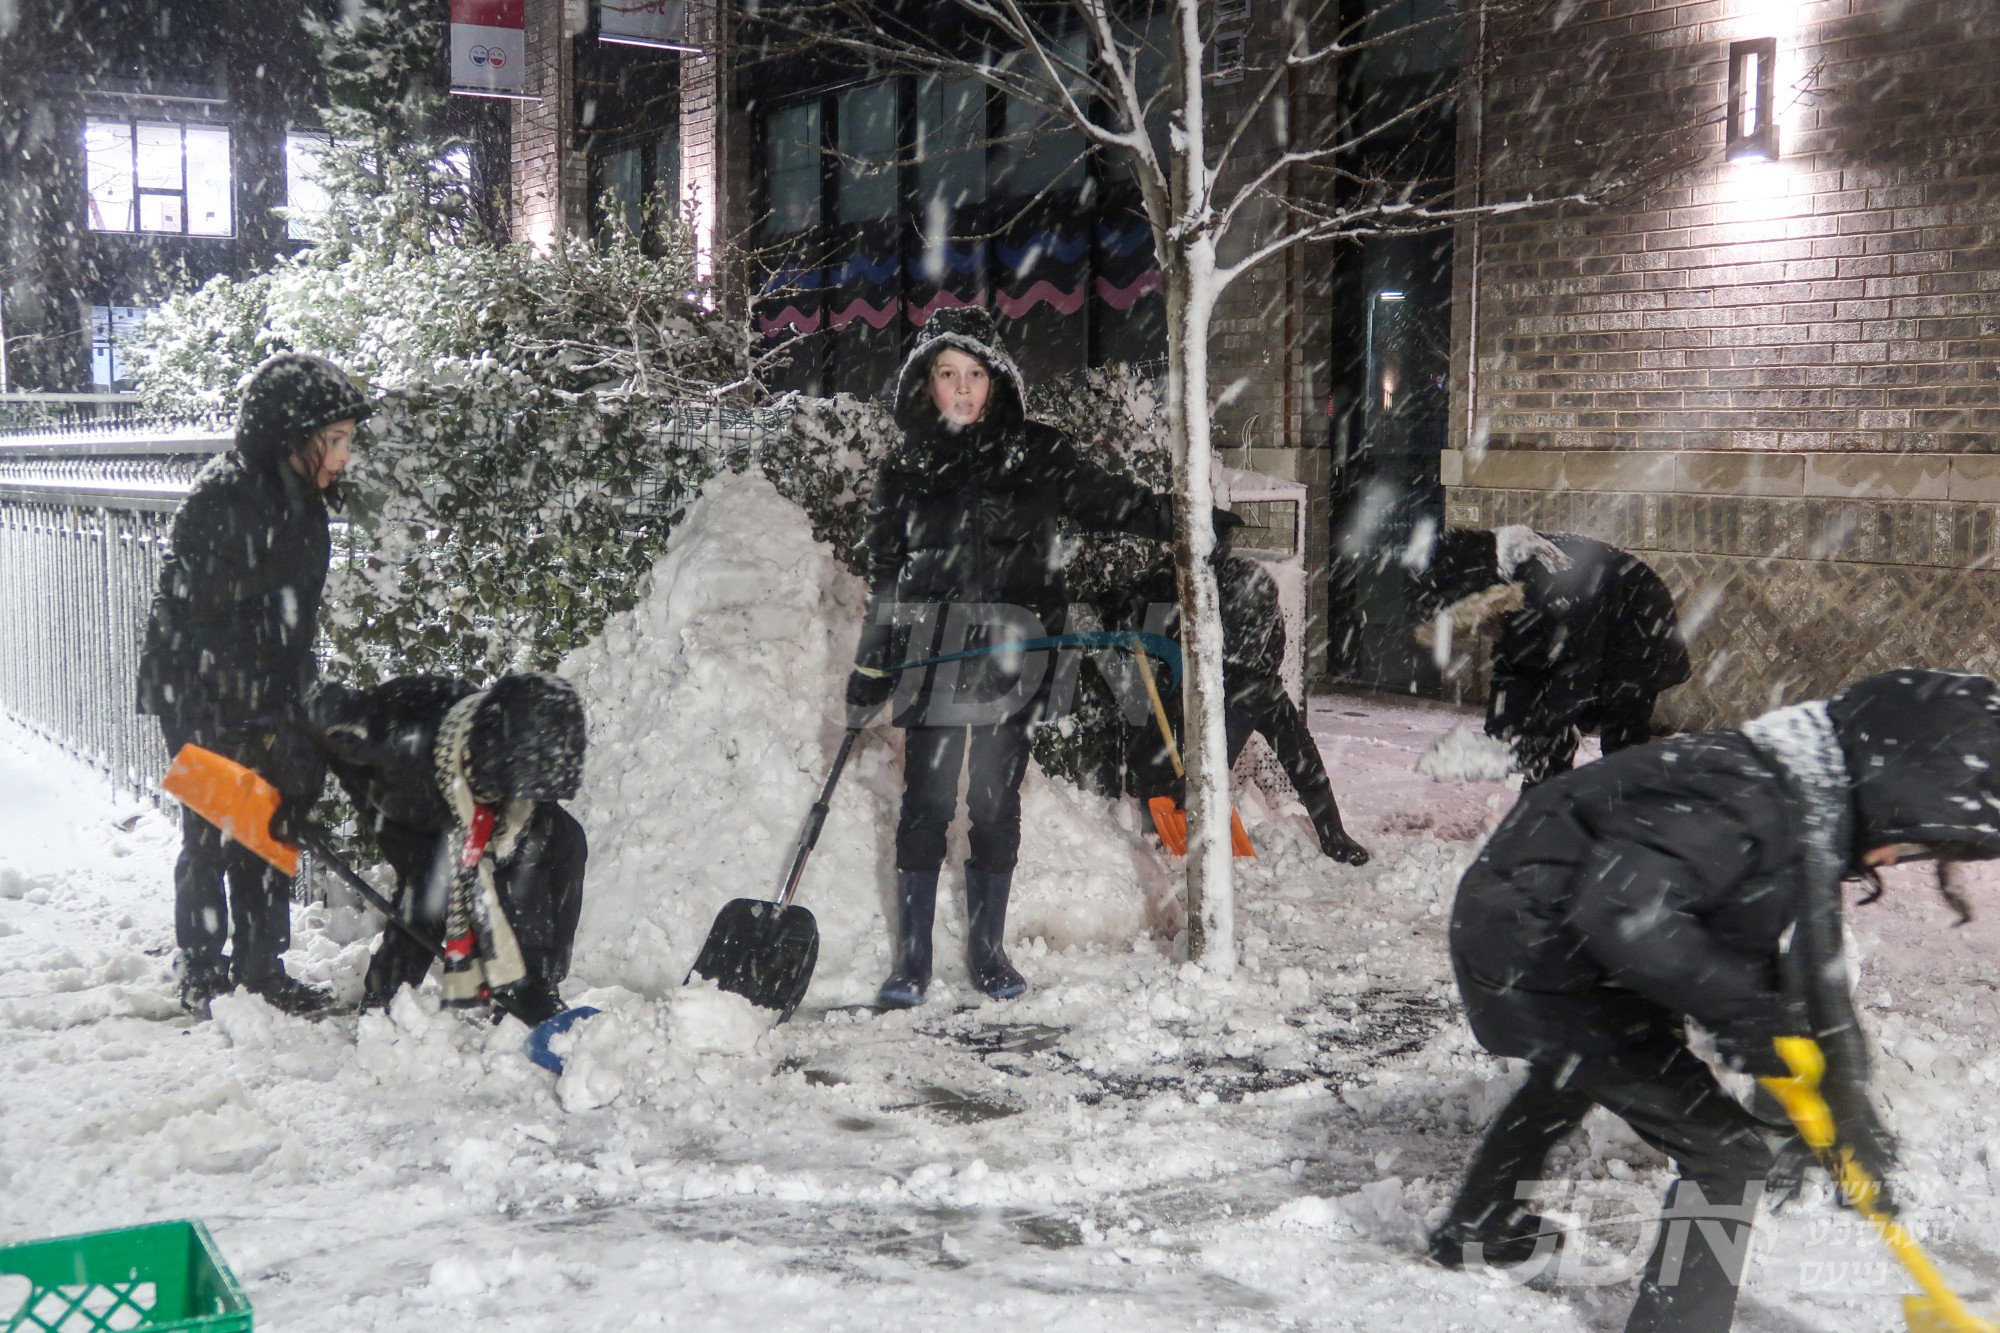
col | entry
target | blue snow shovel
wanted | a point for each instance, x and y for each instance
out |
(765, 951)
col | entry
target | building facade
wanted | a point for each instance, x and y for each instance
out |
(1773, 376)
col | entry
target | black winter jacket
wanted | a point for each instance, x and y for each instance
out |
(975, 517)
(1602, 627)
(1657, 883)
(230, 638)
(1253, 624)
(229, 643)
(381, 744)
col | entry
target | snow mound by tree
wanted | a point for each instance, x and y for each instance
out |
(1465, 755)
(716, 707)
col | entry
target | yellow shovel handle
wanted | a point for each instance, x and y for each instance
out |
(1800, 1095)
(1159, 711)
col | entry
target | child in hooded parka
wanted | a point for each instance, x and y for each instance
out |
(965, 514)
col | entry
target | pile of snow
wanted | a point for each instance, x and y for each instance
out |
(1465, 755)
(715, 710)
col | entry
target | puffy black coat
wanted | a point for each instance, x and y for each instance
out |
(381, 745)
(229, 643)
(1618, 898)
(975, 516)
(1253, 624)
(1602, 627)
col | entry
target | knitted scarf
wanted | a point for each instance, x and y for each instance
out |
(481, 954)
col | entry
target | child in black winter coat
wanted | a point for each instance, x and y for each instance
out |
(1588, 637)
(228, 654)
(1254, 698)
(391, 748)
(1620, 900)
(963, 522)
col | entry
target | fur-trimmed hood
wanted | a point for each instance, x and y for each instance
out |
(969, 329)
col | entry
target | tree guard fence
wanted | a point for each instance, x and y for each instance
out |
(84, 513)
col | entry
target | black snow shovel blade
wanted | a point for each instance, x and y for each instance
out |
(765, 951)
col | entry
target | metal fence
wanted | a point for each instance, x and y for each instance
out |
(84, 512)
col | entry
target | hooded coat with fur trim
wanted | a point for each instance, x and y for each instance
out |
(974, 515)
(229, 643)
(1582, 636)
(1658, 882)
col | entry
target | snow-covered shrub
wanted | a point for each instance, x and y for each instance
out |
(501, 523)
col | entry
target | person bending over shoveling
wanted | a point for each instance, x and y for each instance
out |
(1254, 697)
(965, 512)
(440, 772)
(1587, 637)
(228, 654)
(1700, 877)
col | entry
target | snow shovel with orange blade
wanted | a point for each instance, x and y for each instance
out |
(1938, 1310)
(240, 802)
(1169, 820)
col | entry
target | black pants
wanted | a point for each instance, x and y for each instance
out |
(932, 759)
(1621, 720)
(540, 886)
(1672, 1101)
(224, 893)
(1259, 704)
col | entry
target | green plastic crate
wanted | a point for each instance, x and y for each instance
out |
(164, 1278)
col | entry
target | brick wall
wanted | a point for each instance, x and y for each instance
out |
(1776, 380)
(551, 181)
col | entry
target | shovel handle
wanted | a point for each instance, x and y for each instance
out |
(816, 819)
(1806, 1105)
(316, 844)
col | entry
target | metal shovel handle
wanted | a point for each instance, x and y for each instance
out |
(816, 820)
(315, 842)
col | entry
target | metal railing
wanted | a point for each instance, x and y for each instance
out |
(84, 512)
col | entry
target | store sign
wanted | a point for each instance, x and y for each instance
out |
(488, 47)
(643, 22)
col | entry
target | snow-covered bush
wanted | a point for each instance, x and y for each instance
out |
(499, 524)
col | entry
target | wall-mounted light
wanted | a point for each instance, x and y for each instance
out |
(1389, 296)
(1753, 96)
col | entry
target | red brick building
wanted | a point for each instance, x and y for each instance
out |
(1775, 379)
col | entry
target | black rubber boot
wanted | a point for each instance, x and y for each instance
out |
(1513, 1242)
(535, 998)
(986, 933)
(201, 977)
(287, 994)
(916, 907)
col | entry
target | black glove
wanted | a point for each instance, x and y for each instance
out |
(292, 818)
(1748, 1047)
(866, 693)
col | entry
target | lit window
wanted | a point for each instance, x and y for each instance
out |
(1753, 93)
(305, 194)
(178, 176)
(113, 330)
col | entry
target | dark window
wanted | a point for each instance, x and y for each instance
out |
(792, 167)
(951, 142)
(866, 130)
